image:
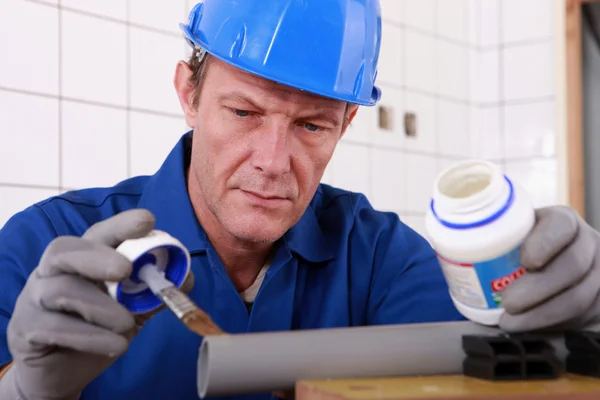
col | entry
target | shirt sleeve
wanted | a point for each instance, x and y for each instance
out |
(22, 242)
(407, 282)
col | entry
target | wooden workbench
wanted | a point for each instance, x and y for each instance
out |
(449, 388)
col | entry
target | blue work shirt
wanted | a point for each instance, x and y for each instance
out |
(343, 264)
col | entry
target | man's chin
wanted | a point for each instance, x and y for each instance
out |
(257, 228)
(257, 237)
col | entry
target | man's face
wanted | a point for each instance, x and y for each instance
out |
(259, 149)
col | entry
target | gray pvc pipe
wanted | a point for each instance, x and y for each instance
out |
(273, 361)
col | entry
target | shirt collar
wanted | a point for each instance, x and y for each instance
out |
(166, 196)
(307, 239)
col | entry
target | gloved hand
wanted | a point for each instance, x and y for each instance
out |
(65, 329)
(561, 286)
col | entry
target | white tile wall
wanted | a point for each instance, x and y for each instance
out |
(490, 18)
(453, 134)
(452, 66)
(478, 74)
(527, 20)
(452, 19)
(94, 145)
(424, 107)
(529, 130)
(486, 133)
(159, 14)
(392, 99)
(74, 84)
(484, 82)
(94, 59)
(389, 186)
(420, 174)
(153, 57)
(361, 130)
(109, 8)
(529, 71)
(417, 223)
(420, 67)
(391, 54)
(327, 177)
(352, 168)
(33, 53)
(393, 10)
(473, 16)
(15, 199)
(420, 14)
(537, 177)
(29, 150)
(152, 138)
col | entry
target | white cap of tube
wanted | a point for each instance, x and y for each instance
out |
(160, 249)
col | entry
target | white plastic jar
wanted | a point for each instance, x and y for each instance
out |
(477, 220)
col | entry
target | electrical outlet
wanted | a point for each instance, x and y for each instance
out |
(385, 118)
(410, 124)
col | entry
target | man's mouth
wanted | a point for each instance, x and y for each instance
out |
(267, 200)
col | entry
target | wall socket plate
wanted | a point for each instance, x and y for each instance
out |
(410, 124)
(385, 118)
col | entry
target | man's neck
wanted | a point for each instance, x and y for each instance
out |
(242, 259)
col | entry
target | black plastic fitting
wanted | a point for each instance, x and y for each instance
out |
(509, 357)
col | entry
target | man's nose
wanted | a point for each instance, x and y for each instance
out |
(271, 153)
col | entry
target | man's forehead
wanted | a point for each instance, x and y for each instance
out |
(243, 82)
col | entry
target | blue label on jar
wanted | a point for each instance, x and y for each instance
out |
(480, 284)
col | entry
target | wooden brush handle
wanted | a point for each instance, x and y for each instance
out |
(187, 312)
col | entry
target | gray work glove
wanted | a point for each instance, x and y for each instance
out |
(561, 286)
(65, 329)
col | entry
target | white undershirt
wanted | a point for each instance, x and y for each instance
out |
(249, 294)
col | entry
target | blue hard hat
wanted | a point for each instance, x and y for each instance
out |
(326, 47)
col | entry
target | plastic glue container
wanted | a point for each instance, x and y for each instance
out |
(159, 249)
(476, 222)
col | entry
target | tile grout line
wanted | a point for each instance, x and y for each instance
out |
(518, 102)
(467, 44)
(478, 22)
(470, 113)
(436, 101)
(28, 186)
(511, 102)
(128, 90)
(404, 98)
(401, 25)
(501, 85)
(382, 84)
(434, 154)
(91, 102)
(60, 102)
(522, 43)
(407, 213)
(109, 19)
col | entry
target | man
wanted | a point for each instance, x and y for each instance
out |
(268, 93)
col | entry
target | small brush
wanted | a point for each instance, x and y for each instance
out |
(178, 302)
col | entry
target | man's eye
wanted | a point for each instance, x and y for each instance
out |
(241, 113)
(311, 127)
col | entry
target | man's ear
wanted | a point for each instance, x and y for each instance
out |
(185, 92)
(351, 113)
